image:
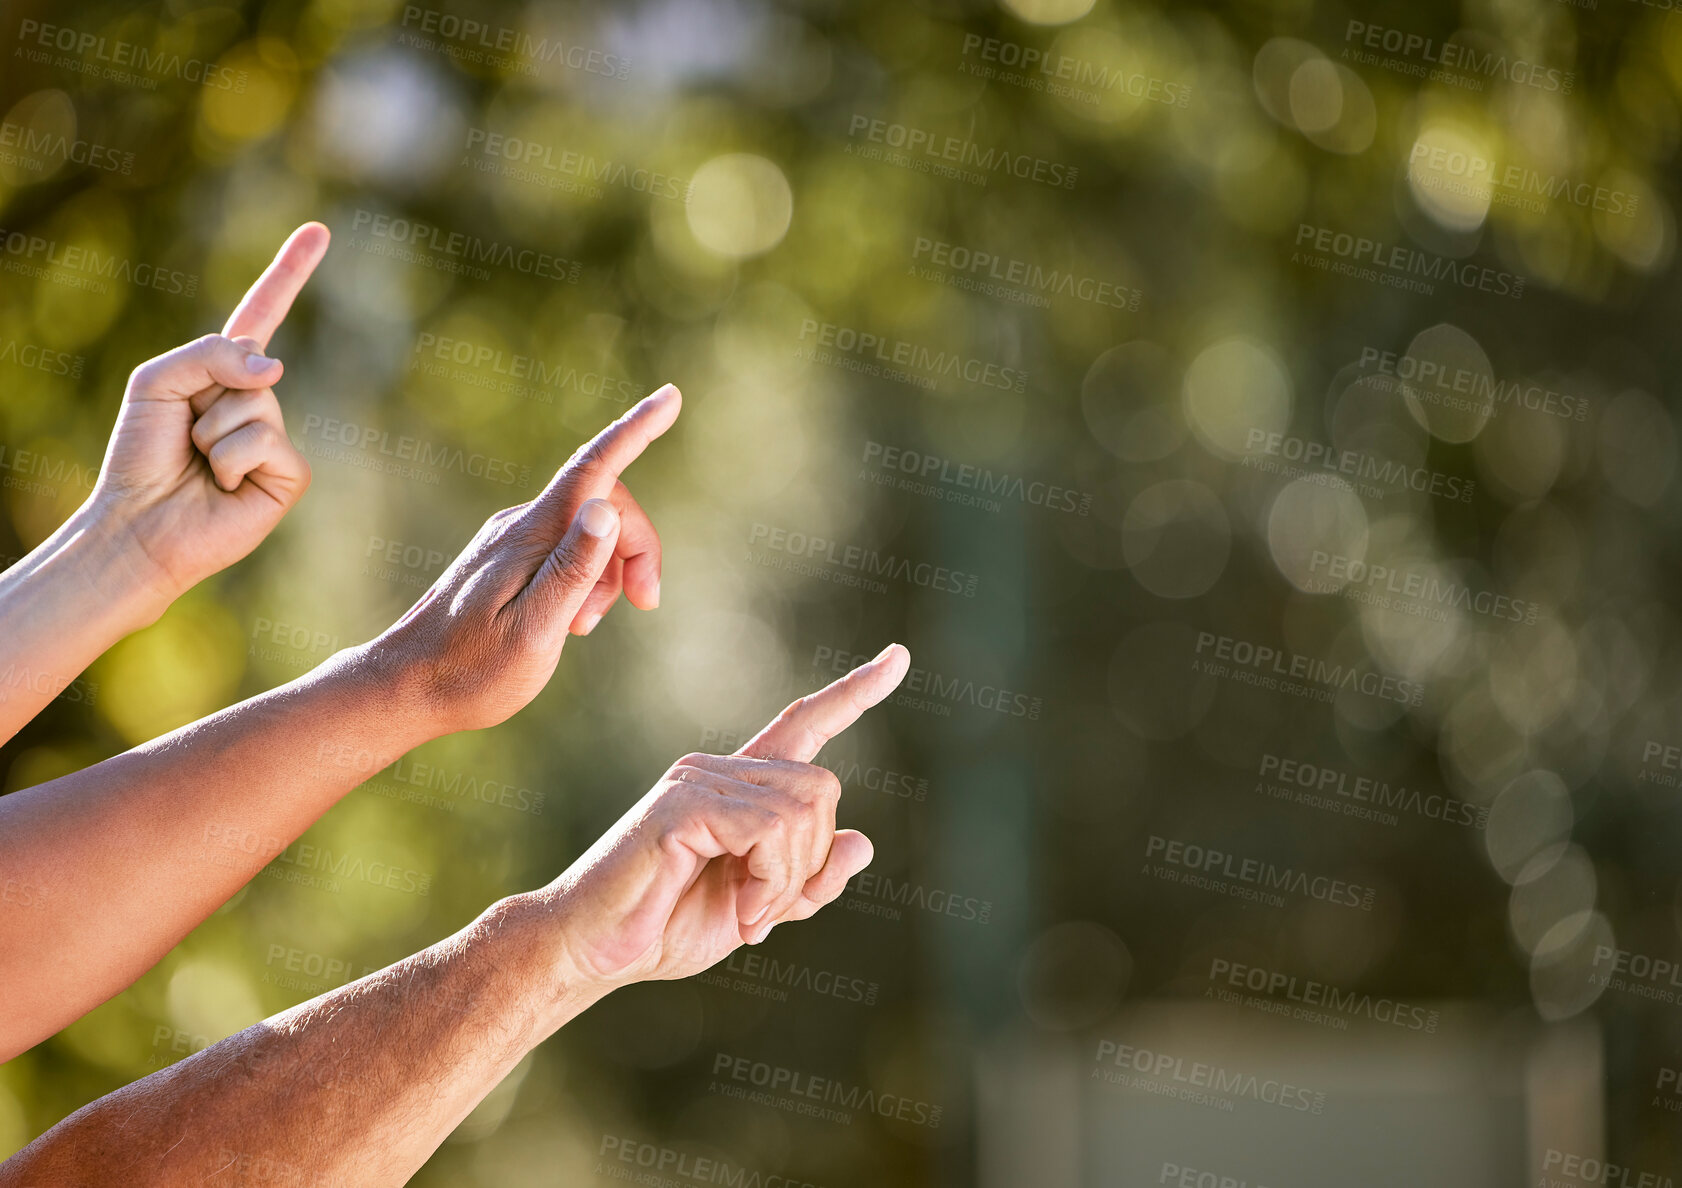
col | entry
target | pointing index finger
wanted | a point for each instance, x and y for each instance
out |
(265, 305)
(592, 471)
(802, 729)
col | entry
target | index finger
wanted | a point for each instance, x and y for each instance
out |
(264, 306)
(800, 731)
(591, 472)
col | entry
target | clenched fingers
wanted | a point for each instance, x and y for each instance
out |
(203, 367)
(259, 451)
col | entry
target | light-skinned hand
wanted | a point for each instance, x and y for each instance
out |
(723, 848)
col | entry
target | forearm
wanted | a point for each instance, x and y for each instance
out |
(358, 1086)
(104, 870)
(77, 593)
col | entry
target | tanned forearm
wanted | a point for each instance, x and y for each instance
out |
(103, 871)
(77, 593)
(358, 1086)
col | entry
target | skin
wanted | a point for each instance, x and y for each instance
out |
(361, 1084)
(196, 474)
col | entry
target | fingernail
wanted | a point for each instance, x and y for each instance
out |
(884, 652)
(760, 939)
(256, 363)
(597, 518)
(759, 915)
(663, 391)
(656, 592)
(590, 623)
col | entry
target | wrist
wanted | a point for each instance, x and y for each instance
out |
(536, 928)
(100, 552)
(386, 694)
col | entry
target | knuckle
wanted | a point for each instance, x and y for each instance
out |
(569, 559)
(693, 760)
(147, 374)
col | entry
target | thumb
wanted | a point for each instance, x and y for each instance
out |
(573, 566)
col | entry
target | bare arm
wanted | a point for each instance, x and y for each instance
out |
(197, 473)
(104, 870)
(362, 1084)
(358, 1086)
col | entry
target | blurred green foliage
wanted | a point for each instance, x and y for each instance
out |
(1100, 246)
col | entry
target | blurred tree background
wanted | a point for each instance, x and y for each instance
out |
(1256, 418)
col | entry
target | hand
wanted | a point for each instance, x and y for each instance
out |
(723, 848)
(199, 469)
(485, 639)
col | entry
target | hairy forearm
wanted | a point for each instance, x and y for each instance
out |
(104, 870)
(77, 593)
(358, 1086)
